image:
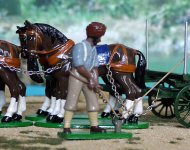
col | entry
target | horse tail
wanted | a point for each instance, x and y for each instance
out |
(140, 70)
(32, 65)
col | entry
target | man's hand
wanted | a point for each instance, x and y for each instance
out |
(93, 85)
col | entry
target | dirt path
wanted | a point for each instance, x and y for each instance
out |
(161, 135)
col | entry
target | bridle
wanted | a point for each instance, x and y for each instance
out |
(37, 38)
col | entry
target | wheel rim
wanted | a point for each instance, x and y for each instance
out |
(164, 107)
(182, 106)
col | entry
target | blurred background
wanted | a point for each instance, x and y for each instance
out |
(125, 21)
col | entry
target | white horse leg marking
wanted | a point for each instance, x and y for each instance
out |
(21, 105)
(12, 107)
(62, 111)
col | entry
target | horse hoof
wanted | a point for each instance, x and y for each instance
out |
(6, 119)
(57, 119)
(132, 119)
(16, 117)
(116, 111)
(41, 112)
(105, 114)
(50, 118)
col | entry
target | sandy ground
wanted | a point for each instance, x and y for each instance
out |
(161, 135)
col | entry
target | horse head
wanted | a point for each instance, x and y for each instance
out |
(21, 31)
(26, 42)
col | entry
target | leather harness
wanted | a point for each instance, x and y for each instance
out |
(10, 61)
(121, 66)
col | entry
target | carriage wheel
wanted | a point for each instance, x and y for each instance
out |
(164, 107)
(182, 106)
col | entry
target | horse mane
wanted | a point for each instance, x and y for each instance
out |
(52, 32)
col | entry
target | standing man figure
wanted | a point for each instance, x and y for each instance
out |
(84, 77)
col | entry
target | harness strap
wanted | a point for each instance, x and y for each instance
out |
(121, 66)
(15, 62)
(52, 60)
(115, 50)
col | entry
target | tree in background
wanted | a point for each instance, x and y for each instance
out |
(11, 7)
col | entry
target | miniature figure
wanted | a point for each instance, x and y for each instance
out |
(9, 65)
(46, 43)
(53, 50)
(85, 66)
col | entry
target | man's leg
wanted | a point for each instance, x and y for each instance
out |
(92, 108)
(74, 90)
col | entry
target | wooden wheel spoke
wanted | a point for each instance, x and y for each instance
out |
(185, 116)
(184, 109)
(187, 94)
(157, 105)
(166, 112)
(171, 110)
(161, 109)
(182, 104)
(184, 98)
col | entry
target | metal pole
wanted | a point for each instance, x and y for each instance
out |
(185, 48)
(146, 32)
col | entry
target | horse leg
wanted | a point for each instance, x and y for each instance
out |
(134, 105)
(138, 105)
(112, 104)
(2, 95)
(10, 79)
(109, 105)
(126, 82)
(48, 102)
(50, 93)
(22, 100)
(61, 93)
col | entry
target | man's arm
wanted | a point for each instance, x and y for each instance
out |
(91, 77)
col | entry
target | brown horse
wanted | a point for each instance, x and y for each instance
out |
(9, 65)
(54, 52)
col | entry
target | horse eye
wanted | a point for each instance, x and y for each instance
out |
(29, 37)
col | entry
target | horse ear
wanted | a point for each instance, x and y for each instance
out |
(27, 23)
(19, 29)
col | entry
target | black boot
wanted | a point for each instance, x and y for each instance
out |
(41, 112)
(67, 131)
(17, 117)
(132, 119)
(105, 114)
(97, 129)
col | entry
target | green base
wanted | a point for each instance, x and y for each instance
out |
(139, 125)
(16, 124)
(34, 117)
(95, 136)
(44, 123)
(84, 124)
